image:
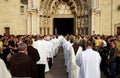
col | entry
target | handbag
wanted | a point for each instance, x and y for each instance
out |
(9, 55)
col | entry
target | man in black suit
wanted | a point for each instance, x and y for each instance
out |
(32, 52)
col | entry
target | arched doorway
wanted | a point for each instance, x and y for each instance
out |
(55, 10)
(63, 26)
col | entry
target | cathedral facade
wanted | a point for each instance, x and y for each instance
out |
(39, 17)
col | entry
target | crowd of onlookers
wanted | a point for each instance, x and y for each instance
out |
(28, 55)
(107, 46)
(15, 49)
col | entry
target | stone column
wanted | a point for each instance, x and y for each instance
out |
(35, 25)
(93, 4)
(29, 5)
(92, 18)
(93, 22)
(97, 28)
(29, 23)
(33, 17)
(76, 25)
(34, 4)
(40, 24)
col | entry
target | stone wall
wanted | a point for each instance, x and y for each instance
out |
(105, 18)
(109, 16)
(11, 16)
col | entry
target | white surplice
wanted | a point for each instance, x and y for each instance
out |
(55, 41)
(40, 45)
(74, 68)
(60, 39)
(4, 73)
(68, 56)
(51, 49)
(65, 51)
(66, 47)
(89, 63)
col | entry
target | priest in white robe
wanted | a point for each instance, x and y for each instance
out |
(89, 62)
(42, 64)
(55, 41)
(65, 51)
(66, 46)
(51, 50)
(60, 38)
(4, 73)
(75, 49)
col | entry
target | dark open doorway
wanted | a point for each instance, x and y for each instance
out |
(118, 30)
(63, 25)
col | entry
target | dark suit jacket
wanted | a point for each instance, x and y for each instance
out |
(33, 53)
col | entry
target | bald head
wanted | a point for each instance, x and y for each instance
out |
(21, 46)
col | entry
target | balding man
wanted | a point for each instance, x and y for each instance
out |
(21, 65)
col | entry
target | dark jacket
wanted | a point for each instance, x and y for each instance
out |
(33, 53)
(113, 54)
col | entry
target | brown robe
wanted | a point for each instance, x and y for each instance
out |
(21, 65)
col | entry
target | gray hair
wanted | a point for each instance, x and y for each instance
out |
(88, 43)
(21, 46)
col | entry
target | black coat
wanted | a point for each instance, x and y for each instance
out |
(33, 53)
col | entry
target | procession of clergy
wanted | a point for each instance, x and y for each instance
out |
(81, 61)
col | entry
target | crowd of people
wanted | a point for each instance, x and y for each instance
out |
(85, 56)
(27, 55)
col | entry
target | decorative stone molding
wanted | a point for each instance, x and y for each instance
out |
(98, 11)
(24, 1)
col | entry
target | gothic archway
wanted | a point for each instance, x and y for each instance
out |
(47, 9)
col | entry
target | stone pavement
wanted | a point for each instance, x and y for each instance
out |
(58, 69)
